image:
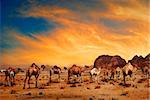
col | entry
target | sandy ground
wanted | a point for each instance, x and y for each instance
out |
(111, 90)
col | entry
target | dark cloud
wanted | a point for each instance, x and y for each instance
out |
(115, 24)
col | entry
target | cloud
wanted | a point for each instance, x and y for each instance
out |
(122, 29)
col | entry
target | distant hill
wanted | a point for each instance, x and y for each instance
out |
(140, 61)
(107, 61)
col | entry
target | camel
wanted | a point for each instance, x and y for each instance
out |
(65, 68)
(74, 70)
(33, 70)
(11, 73)
(118, 72)
(128, 69)
(112, 73)
(147, 71)
(43, 67)
(55, 70)
(95, 72)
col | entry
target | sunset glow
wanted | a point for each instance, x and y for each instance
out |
(73, 31)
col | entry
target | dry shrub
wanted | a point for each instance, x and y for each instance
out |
(73, 85)
(147, 86)
(62, 87)
(42, 87)
(141, 80)
(124, 93)
(79, 85)
(127, 85)
(86, 79)
(1, 84)
(41, 93)
(97, 87)
(13, 92)
(112, 83)
(29, 93)
(101, 99)
(88, 88)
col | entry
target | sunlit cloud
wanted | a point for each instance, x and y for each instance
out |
(122, 28)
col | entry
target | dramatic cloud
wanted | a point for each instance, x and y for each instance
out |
(82, 32)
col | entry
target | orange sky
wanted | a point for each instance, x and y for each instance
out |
(82, 36)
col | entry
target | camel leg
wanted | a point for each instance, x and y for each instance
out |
(80, 78)
(50, 79)
(13, 80)
(98, 78)
(68, 77)
(25, 82)
(59, 77)
(124, 78)
(91, 77)
(6, 79)
(29, 82)
(118, 75)
(36, 77)
(10, 81)
(113, 75)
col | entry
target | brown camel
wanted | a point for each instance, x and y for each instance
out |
(55, 70)
(74, 70)
(10, 74)
(33, 70)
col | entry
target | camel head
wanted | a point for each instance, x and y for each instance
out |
(3, 70)
(74, 65)
(65, 68)
(17, 70)
(43, 67)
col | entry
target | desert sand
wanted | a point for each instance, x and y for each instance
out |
(60, 90)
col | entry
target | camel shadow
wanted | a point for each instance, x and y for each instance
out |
(124, 85)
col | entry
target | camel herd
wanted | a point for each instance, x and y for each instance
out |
(105, 66)
(34, 70)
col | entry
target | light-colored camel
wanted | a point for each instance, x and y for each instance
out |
(128, 69)
(118, 72)
(147, 71)
(33, 70)
(95, 72)
(54, 70)
(75, 70)
(10, 74)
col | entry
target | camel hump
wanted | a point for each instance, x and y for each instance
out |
(118, 69)
(35, 69)
(130, 66)
(11, 72)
